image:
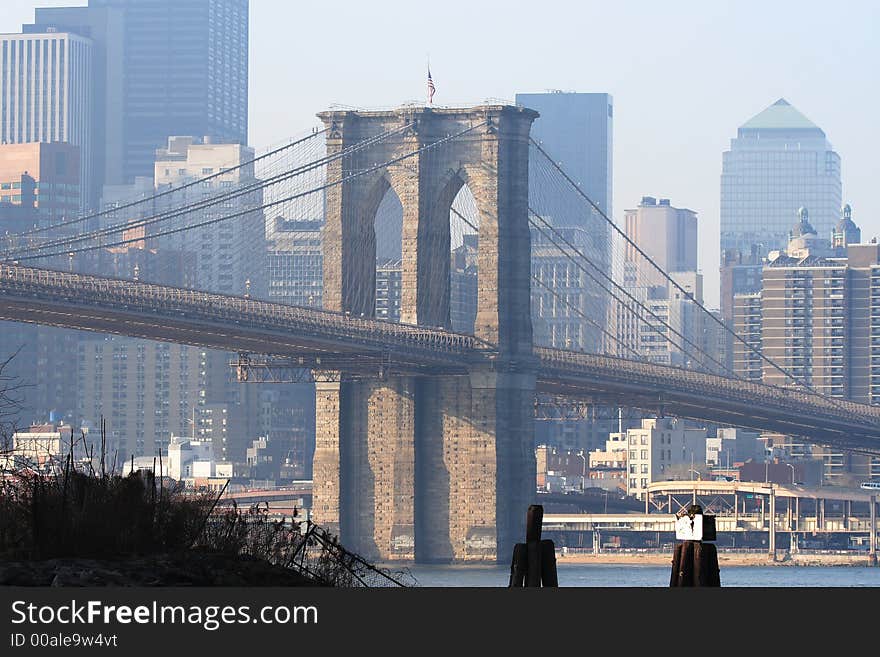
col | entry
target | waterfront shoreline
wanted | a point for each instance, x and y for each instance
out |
(725, 559)
(731, 559)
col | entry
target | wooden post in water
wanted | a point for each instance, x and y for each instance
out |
(695, 563)
(534, 562)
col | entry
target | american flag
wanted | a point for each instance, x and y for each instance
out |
(431, 88)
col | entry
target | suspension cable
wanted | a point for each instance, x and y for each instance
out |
(635, 246)
(558, 296)
(153, 197)
(201, 204)
(615, 284)
(265, 206)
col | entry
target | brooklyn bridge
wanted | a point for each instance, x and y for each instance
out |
(424, 434)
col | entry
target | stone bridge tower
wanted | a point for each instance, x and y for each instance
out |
(436, 468)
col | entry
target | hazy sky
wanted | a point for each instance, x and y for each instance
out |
(684, 75)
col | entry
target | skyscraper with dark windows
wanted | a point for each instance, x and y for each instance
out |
(778, 162)
(165, 67)
(186, 73)
(576, 130)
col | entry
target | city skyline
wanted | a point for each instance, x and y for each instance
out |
(718, 84)
(382, 284)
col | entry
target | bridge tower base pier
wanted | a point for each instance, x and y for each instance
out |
(474, 465)
(442, 439)
(435, 469)
(326, 491)
(364, 465)
(503, 411)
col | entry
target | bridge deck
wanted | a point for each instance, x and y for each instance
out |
(326, 340)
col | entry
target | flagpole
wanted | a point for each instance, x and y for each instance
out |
(431, 88)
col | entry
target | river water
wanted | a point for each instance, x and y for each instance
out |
(607, 575)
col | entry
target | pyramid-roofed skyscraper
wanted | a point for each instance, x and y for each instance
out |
(779, 162)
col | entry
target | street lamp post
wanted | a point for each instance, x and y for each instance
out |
(699, 478)
(583, 472)
(792, 472)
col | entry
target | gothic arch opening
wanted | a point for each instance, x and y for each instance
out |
(464, 225)
(388, 229)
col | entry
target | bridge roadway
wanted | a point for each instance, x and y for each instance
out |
(327, 340)
(724, 523)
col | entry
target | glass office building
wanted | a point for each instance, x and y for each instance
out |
(186, 73)
(165, 68)
(576, 130)
(778, 162)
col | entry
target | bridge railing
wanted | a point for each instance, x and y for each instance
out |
(149, 297)
(700, 382)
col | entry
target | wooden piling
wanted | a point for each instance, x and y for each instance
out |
(518, 566)
(695, 563)
(548, 564)
(534, 562)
